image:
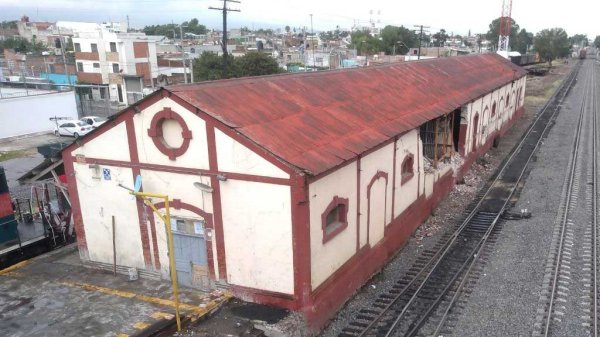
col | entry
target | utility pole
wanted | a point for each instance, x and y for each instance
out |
(312, 41)
(225, 9)
(64, 57)
(421, 27)
(183, 53)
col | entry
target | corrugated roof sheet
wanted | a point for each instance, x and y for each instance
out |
(316, 121)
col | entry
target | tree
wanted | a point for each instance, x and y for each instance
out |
(22, 46)
(524, 40)
(256, 64)
(172, 30)
(494, 33)
(597, 41)
(209, 67)
(440, 38)
(579, 40)
(287, 29)
(552, 43)
(397, 39)
(365, 43)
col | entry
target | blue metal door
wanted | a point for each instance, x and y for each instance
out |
(191, 260)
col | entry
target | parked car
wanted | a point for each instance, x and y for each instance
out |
(94, 121)
(73, 128)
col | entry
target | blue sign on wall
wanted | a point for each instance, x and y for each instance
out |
(106, 173)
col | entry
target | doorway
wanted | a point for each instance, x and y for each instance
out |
(191, 259)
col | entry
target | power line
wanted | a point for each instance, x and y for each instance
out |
(225, 9)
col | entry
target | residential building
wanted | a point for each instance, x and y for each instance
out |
(122, 62)
(288, 190)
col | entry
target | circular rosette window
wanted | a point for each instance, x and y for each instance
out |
(170, 133)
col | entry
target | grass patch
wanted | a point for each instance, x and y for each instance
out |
(11, 155)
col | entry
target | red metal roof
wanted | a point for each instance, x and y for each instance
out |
(316, 121)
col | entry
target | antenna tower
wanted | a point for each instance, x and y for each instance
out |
(505, 25)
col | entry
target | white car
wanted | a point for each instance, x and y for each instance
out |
(94, 121)
(73, 128)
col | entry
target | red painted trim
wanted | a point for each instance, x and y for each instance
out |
(301, 239)
(277, 299)
(139, 203)
(394, 175)
(408, 175)
(155, 132)
(75, 204)
(157, 263)
(191, 171)
(377, 176)
(330, 296)
(208, 218)
(242, 139)
(358, 204)
(343, 217)
(116, 119)
(217, 208)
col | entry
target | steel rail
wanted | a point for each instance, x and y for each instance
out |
(559, 96)
(567, 203)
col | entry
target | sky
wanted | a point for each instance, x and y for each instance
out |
(457, 16)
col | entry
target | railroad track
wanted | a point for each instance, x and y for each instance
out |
(569, 299)
(421, 302)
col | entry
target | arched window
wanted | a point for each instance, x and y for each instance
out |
(493, 110)
(407, 168)
(335, 218)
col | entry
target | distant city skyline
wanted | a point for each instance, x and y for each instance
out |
(458, 16)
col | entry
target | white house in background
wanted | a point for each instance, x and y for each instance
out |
(124, 62)
(291, 190)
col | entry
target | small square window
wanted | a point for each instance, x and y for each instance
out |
(96, 65)
(94, 48)
(80, 67)
(115, 68)
(77, 47)
(113, 47)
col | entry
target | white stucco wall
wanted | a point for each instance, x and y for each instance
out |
(178, 186)
(257, 225)
(25, 115)
(237, 158)
(101, 199)
(408, 193)
(114, 140)
(327, 257)
(379, 160)
(197, 154)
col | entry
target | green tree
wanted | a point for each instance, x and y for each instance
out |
(597, 41)
(398, 39)
(209, 67)
(552, 43)
(256, 64)
(287, 29)
(494, 33)
(524, 40)
(365, 43)
(579, 40)
(22, 46)
(172, 30)
(8, 24)
(440, 38)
